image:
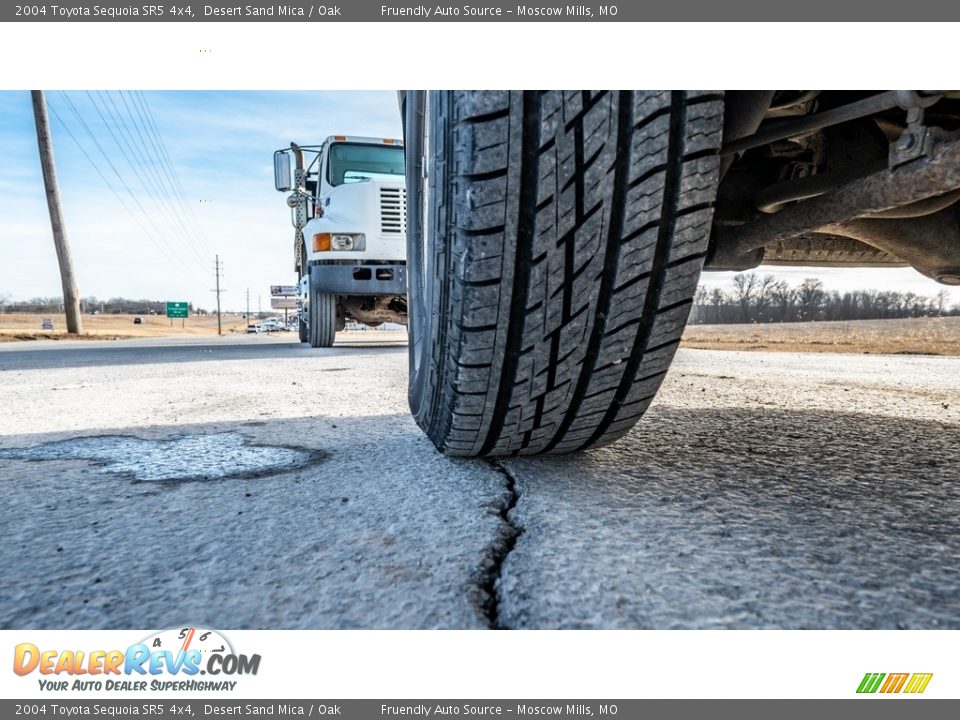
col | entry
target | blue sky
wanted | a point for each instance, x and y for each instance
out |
(221, 146)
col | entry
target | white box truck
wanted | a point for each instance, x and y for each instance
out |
(349, 212)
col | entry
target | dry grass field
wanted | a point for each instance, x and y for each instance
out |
(26, 326)
(919, 336)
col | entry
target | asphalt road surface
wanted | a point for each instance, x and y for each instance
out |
(253, 482)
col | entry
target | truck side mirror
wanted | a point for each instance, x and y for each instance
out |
(282, 175)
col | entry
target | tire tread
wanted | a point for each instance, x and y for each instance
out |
(575, 230)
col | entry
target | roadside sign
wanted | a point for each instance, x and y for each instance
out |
(283, 303)
(177, 309)
(283, 290)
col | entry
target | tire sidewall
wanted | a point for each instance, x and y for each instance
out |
(313, 328)
(422, 321)
(322, 329)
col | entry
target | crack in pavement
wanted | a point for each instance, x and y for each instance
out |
(499, 550)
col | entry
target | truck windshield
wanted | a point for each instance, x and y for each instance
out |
(355, 162)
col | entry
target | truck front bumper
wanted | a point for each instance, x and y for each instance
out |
(359, 279)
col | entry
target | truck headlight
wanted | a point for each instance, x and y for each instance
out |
(323, 242)
(347, 242)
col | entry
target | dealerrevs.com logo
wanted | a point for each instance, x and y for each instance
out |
(169, 660)
(889, 683)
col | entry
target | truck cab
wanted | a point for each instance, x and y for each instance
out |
(348, 209)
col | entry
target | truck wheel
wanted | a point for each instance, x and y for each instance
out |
(323, 319)
(302, 331)
(555, 243)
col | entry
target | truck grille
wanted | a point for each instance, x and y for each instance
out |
(393, 211)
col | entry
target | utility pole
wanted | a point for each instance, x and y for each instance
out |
(248, 306)
(216, 268)
(71, 295)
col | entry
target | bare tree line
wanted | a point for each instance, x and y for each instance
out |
(755, 298)
(752, 298)
(88, 305)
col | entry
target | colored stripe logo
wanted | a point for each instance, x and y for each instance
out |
(887, 683)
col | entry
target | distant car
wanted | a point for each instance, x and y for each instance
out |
(138, 321)
(46, 324)
(253, 329)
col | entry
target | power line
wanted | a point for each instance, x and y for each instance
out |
(123, 127)
(141, 176)
(167, 186)
(106, 156)
(165, 156)
(148, 170)
(110, 163)
(173, 213)
(174, 259)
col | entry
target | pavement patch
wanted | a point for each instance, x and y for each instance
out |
(182, 458)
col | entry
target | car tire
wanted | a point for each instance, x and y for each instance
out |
(323, 318)
(555, 242)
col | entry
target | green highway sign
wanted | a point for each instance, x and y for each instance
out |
(177, 310)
